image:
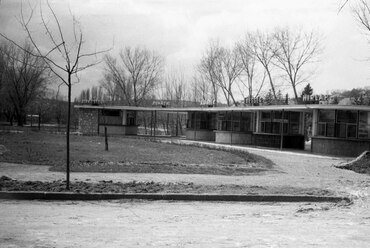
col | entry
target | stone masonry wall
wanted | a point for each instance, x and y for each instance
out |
(88, 121)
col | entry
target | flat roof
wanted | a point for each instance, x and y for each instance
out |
(298, 107)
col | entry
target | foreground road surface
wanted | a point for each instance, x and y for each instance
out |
(182, 224)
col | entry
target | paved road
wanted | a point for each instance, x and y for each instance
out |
(181, 224)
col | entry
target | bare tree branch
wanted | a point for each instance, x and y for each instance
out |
(295, 52)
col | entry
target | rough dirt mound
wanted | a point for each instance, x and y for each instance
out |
(2, 149)
(360, 165)
(8, 184)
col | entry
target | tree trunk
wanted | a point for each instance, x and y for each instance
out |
(20, 117)
(272, 85)
(295, 92)
(68, 128)
(106, 138)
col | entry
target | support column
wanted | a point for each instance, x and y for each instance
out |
(155, 121)
(282, 130)
(177, 124)
(315, 118)
(258, 116)
(231, 128)
(151, 123)
(195, 125)
(302, 124)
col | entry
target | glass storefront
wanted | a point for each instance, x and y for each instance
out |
(350, 124)
(271, 122)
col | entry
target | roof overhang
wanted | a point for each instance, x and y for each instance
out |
(301, 108)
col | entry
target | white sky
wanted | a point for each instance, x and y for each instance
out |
(181, 29)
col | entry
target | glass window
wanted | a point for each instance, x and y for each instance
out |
(266, 127)
(341, 130)
(295, 116)
(330, 127)
(326, 115)
(321, 129)
(202, 120)
(236, 126)
(340, 123)
(294, 128)
(364, 125)
(131, 118)
(245, 122)
(110, 112)
(351, 131)
(224, 123)
(347, 116)
(266, 116)
(213, 121)
(271, 122)
(277, 114)
(276, 127)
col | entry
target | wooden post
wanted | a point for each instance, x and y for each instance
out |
(106, 138)
(195, 125)
(167, 120)
(39, 121)
(155, 121)
(177, 124)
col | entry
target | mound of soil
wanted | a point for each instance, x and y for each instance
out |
(8, 184)
(2, 149)
(360, 165)
(171, 168)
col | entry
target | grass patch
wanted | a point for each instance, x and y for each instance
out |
(135, 155)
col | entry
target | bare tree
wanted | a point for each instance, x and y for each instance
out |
(112, 93)
(61, 55)
(137, 74)
(115, 81)
(2, 64)
(294, 53)
(228, 68)
(263, 48)
(201, 90)
(221, 67)
(24, 78)
(174, 88)
(207, 68)
(249, 79)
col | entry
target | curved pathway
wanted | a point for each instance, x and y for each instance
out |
(292, 169)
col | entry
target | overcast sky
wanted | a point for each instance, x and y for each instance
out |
(181, 29)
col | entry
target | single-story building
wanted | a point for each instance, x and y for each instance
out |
(335, 130)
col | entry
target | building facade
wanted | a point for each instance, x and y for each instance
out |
(333, 129)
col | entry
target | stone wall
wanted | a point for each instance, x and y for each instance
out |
(88, 121)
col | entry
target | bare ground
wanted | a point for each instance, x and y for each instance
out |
(29, 224)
